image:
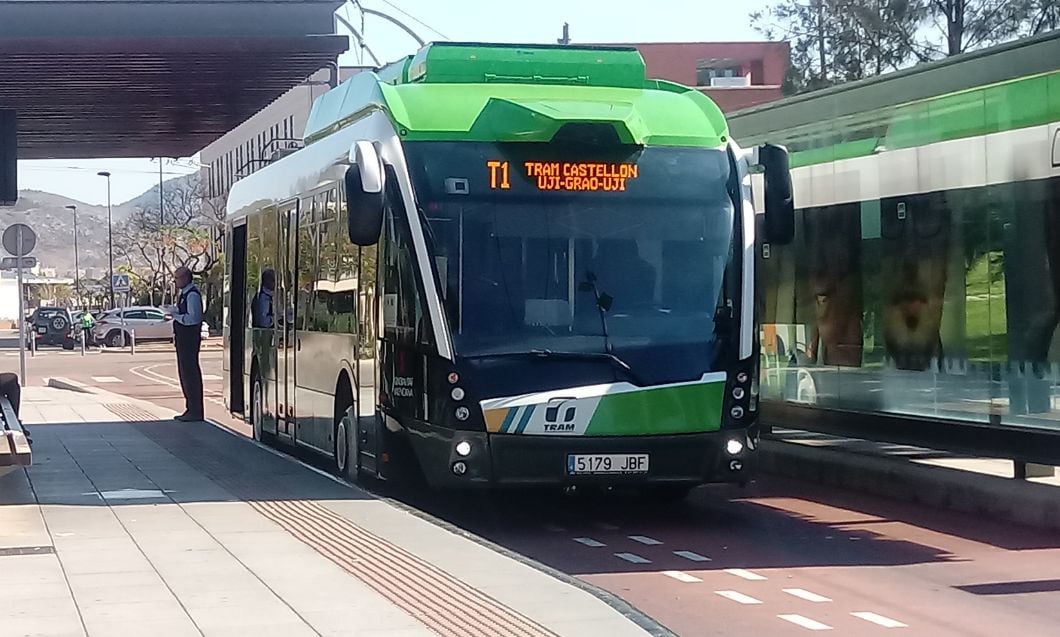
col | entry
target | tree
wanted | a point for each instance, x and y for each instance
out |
(964, 25)
(837, 41)
(1041, 16)
(834, 41)
(152, 251)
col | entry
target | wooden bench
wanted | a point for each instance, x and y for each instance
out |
(14, 445)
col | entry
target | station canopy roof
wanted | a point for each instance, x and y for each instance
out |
(112, 78)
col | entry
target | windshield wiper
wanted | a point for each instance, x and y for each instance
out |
(603, 305)
(548, 353)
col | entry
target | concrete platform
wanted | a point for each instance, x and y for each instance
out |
(983, 486)
(129, 523)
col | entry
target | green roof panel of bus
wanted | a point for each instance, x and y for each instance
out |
(498, 96)
(459, 63)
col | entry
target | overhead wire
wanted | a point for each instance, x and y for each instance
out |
(414, 18)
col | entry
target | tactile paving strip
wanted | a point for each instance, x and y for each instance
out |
(443, 603)
(130, 412)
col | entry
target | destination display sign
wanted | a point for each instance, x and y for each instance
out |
(564, 176)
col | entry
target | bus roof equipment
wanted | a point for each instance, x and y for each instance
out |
(526, 93)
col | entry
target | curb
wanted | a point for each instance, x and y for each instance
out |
(1008, 499)
(58, 382)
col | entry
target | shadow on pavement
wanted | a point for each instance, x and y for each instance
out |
(159, 461)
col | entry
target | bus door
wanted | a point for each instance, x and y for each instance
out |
(286, 303)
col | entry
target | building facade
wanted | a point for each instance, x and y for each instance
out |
(735, 75)
(275, 128)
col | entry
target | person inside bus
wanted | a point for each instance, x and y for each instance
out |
(261, 309)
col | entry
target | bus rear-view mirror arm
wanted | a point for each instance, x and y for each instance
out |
(779, 200)
(364, 186)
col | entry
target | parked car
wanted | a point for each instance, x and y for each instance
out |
(150, 324)
(52, 326)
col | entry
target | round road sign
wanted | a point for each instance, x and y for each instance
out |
(19, 239)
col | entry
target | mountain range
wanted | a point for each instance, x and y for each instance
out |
(47, 215)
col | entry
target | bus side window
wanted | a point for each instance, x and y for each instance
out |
(342, 306)
(405, 319)
(253, 266)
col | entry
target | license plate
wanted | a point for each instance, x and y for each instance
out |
(607, 463)
(42, 330)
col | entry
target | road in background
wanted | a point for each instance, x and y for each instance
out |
(781, 557)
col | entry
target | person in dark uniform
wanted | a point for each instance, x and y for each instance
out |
(187, 337)
(262, 306)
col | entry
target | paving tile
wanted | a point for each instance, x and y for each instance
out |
(101, 617)
(242, 628)
(46, 626)
(22, 525)
(230, 517)
(147, 626)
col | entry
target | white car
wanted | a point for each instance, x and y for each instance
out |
(149, 323)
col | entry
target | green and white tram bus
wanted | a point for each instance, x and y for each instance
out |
(506, 265)
(922, 288)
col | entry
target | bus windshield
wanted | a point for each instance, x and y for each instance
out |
(543, 250)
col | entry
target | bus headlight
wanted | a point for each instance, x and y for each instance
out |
(457, 393)
(738, 393)
(463, 448)
(736, 412)
(462, 413)
(733, 447)
(742, 378)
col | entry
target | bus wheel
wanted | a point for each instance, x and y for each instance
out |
(257, 409)
(345, 432)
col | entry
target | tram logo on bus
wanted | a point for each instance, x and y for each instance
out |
(553, 423)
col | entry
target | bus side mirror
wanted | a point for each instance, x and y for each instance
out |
(364, 195)
(779, 204)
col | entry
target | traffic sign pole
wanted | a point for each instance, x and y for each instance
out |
(22, 319)
(19, 240)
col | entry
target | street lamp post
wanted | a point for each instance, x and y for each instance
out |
(110, 238)
(77, 262)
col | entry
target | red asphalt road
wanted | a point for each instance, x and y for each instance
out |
(785, 557)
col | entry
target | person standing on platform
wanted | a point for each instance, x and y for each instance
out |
(187, 337)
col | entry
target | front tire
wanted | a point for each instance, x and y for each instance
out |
(257, 409)
(345, 434)
(114, 339)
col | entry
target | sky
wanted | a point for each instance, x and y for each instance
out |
(539, 21)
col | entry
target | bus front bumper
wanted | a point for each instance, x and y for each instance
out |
(520, 460)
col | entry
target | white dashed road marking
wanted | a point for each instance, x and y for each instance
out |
(689, 555)
(106, 379)
(211, 377)
(633, 557)
(879, 620)
(805, 622)
(738, 597)
(644, 539)
(802, 593)
(745, 574)
(682, 577)
(606, 527)
(588, 541)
